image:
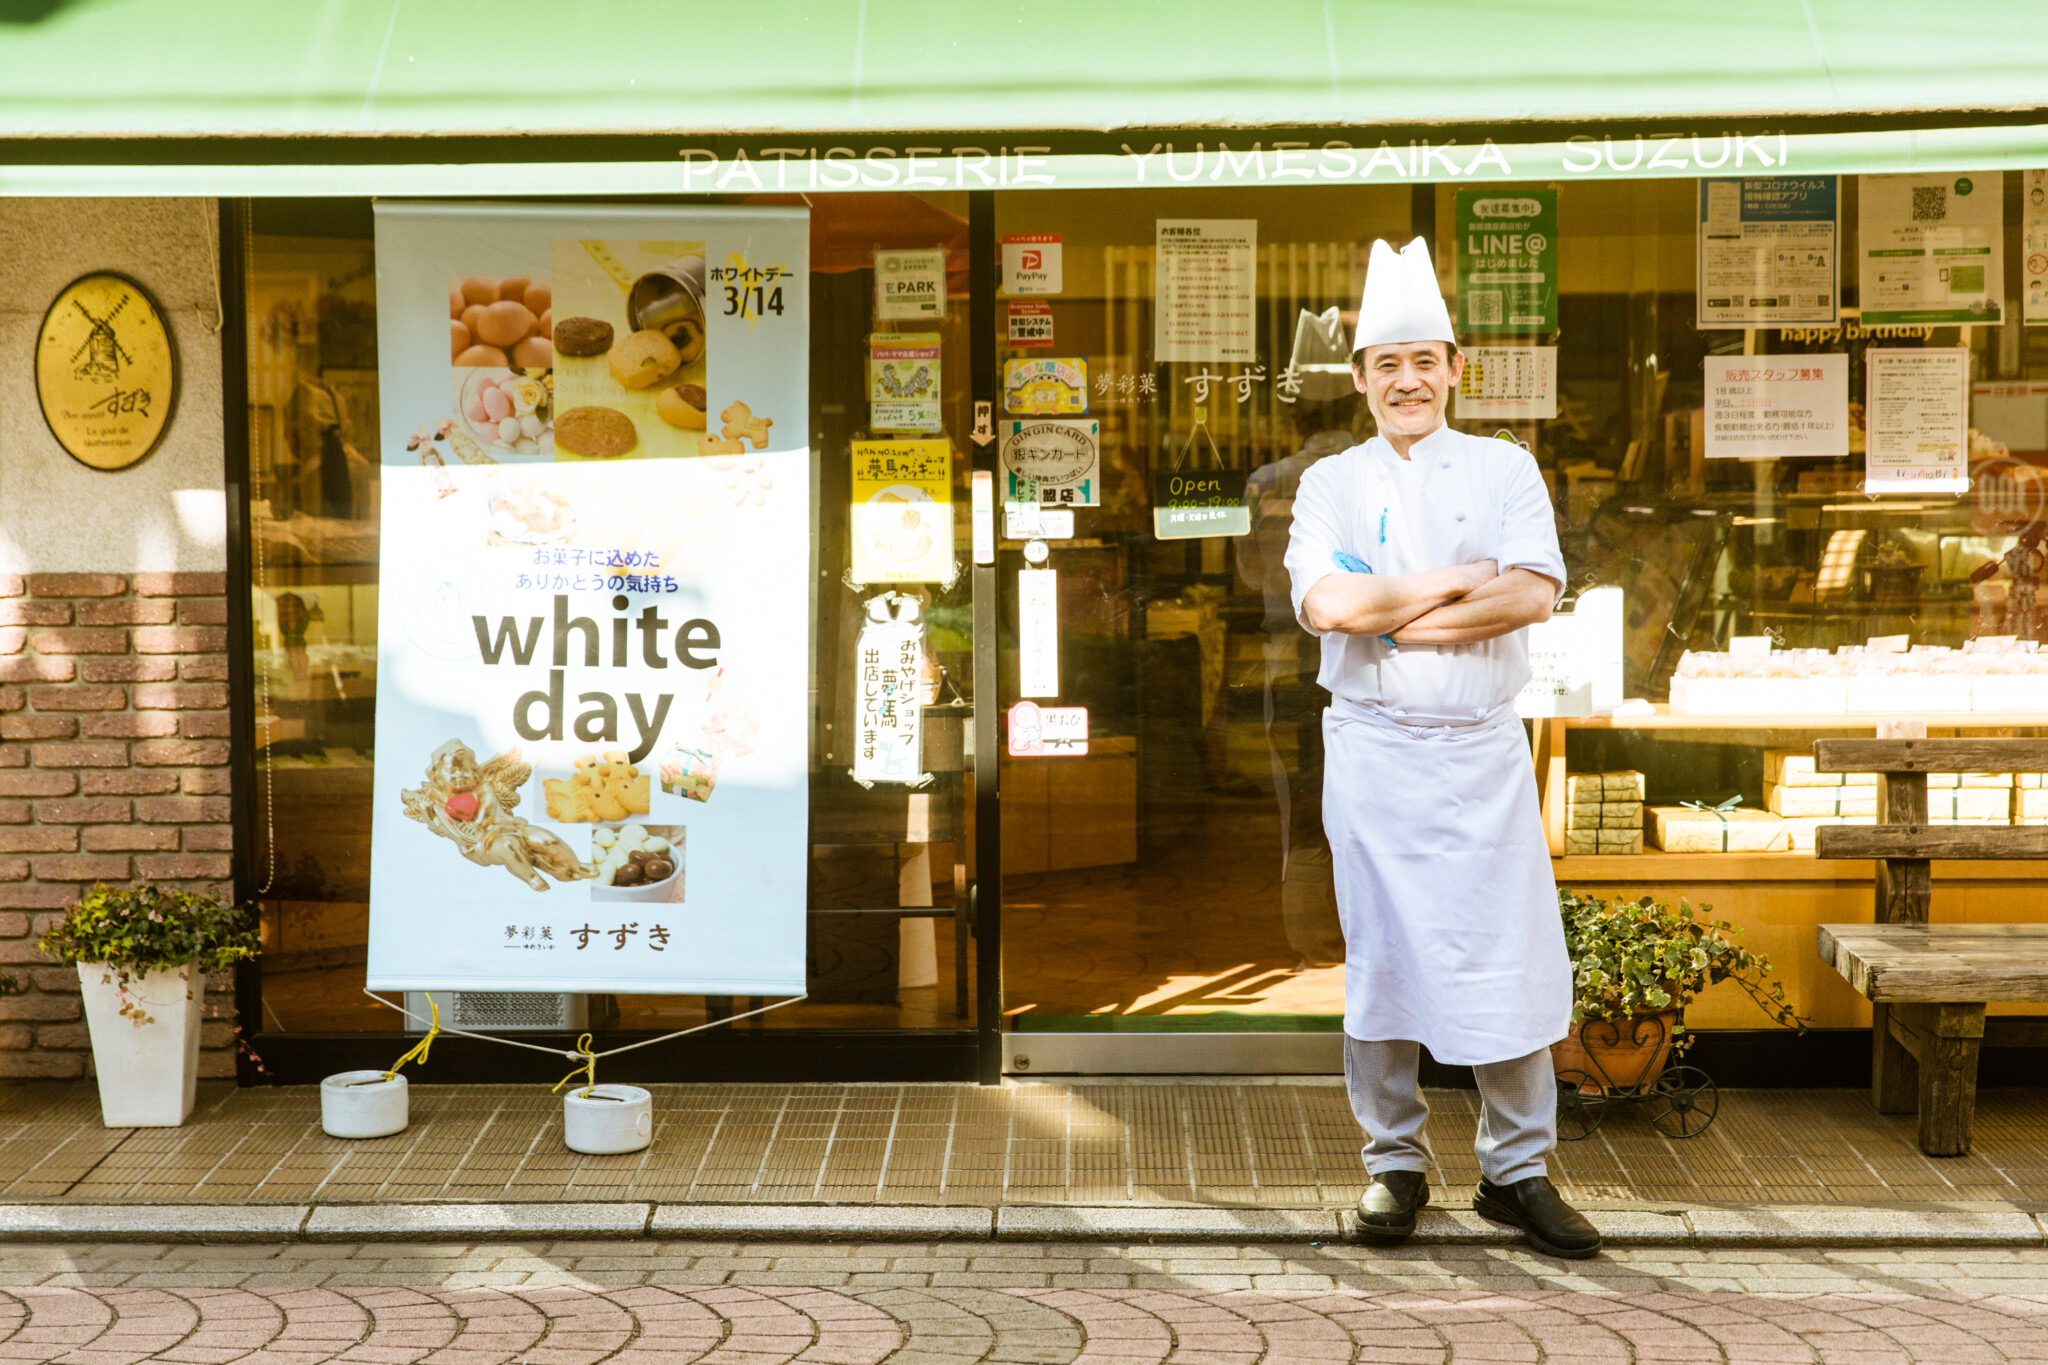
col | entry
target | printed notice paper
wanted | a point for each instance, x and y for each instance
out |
(1508, 381)
(592, 710)
(1767, 251)
(1933, 248)
(1917, 410)
(1205, 289)
(1761, 407)
(903, 381)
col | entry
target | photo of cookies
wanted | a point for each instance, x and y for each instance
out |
(595, 433)
(628, 336)
(500, 321)
(605, 788)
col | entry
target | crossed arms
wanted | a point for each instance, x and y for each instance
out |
(1461, 604)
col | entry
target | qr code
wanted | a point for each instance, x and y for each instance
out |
(1930, 203)
(1484, 306)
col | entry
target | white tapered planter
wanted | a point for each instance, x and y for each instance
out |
(608, 1120)
(364, 1104)
(148, 1073)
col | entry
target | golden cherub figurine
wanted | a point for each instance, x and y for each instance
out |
(471, 804)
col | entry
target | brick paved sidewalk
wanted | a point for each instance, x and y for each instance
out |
(1282, 1145)
(566, 1304)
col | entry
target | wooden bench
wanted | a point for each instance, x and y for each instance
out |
(1928, 984)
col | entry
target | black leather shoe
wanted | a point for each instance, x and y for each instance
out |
(1554, 1227)
(1386, 1212)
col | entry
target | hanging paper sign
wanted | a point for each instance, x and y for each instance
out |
(1205, 289)
(982, 513)
(1767, 251)
(903, 511)
(592, 711)
(888, 719)
(1029, 521)
(1917, 419)
(1200, 502)
(1038, 632)
(1030, 325)
(1061, 457)
(903, 381)
(1762, 407)
(910, 285)
(1046, 388)
(1933, 248)
(1044, 731)
(1031, 263)
(2034, 246)
(1508, 381)
(1507, 261)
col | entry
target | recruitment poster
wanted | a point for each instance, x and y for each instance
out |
(1917, 410)
(1768, 251)
(593, 646)
(1763, 407)
(1933, 248)
(1507, 261)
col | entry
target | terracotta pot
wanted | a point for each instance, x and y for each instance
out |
(1621, 1054)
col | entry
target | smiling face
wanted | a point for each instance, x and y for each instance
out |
(1407, 384)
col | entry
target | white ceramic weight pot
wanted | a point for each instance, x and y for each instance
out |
(363, 1104)
(608, 1119)
(148, 1072)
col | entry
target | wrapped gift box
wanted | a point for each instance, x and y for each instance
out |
(1969, 804)
(1812, 696)
(1603, 841)
(1610, 786)
(1907, 692)
(1812, 801)
(1794, 768)
(1936, 781)
(2009, 692)
(1801, 827)
(1604, 815)
(1685, 829)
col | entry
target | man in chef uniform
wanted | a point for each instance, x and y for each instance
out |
(1419, 558)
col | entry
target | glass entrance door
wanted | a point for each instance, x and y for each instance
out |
(1174, 880)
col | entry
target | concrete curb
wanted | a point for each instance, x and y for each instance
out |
(595, 1221)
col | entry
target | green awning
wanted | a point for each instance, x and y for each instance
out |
(205, 81)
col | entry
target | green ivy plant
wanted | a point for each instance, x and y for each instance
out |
(141, 929)
(1645, 956)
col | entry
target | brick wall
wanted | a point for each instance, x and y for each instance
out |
(114, 768)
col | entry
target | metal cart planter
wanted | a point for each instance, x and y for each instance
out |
(1679, 1101)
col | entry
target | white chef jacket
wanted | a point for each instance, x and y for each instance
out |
(1451, 928)
(1455, 499)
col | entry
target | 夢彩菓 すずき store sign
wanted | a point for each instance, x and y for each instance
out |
(592, 752)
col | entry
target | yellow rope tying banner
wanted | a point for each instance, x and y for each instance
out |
(588, 1070)
(419, 1051)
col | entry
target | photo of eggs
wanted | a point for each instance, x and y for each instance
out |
(638, 863)
(628, 337)
(500, 321)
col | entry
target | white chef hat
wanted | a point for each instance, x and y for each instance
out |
(1320, 364)
(1401, 300)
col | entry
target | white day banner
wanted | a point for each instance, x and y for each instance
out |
(593, 642)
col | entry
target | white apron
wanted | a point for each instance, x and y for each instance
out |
(1451, 928)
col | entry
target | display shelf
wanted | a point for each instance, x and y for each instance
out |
(1664, 718)
(1654, 865)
